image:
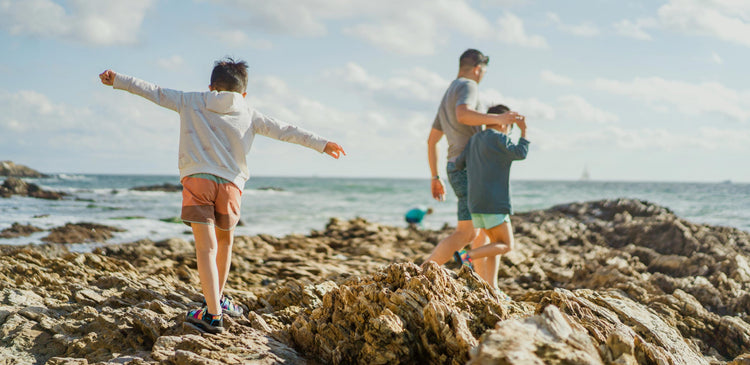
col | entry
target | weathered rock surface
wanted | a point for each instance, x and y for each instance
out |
(8, 168)
(609, 282)
(81, 233)
(16, 186)
(19, 230)
(166, 187)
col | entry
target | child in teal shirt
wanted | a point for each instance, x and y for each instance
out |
(487, 159)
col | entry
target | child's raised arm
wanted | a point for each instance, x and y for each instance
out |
(334, 150)
(171, 99)
(281, 131)
(520, 150)
(108, 77)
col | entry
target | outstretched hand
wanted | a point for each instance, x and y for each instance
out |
(108, 77)
(334, 150)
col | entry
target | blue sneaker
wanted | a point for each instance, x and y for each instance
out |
(228, 307)
(203, 321)
(462, 258)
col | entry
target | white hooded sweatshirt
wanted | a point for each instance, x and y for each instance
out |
(217, 129)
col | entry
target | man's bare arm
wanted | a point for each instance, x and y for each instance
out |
(436, 185)
(466, 116)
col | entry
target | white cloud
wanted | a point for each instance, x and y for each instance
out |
(716, 58)
(420, 30)
(511, 30)
(532, 108)
(418, 36)
(576, 108)
(116, 122)
(503, 3)
(171, 63)
(553, 78)
(238, 38)
(728, 20)
(302, 18)
(582, 30)
(29, 111)
(86, 21)
(568, 108)
(709, 97)
(363, 133)
(382, 23)
(635, 29)
(407, 86)
(726, 138)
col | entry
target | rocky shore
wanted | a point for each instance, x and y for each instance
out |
(11, 169)
(606, 282)
(15, 186)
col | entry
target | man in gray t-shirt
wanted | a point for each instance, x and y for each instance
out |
(458, 119)
(462, 91)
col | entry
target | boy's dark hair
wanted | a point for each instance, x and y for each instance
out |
(498, 109)
(472, 58)
(229, 75)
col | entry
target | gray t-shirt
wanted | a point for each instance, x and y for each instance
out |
(461, 91)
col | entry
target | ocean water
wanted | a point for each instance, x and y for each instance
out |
(303, 204)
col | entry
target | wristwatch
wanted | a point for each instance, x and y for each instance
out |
(436, 177)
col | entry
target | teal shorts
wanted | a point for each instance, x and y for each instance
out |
(488, 221)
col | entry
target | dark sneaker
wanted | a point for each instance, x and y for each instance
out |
(204, 321)
(462, 258)
(228, 307)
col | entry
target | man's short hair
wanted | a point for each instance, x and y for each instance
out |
(472, 58)
(498, 109)
(229, 75)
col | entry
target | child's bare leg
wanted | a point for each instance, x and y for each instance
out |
(502, 242)
(461, 237)
(480, 264)
(205, 252)
(225, 240)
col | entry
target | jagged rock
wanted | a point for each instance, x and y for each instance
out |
(80, 233)
(402, 314)
(8, 168)
(16, 186)
(548, 338)
(646, 286)
(19, 230)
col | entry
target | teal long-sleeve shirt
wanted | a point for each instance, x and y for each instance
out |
(487, 158)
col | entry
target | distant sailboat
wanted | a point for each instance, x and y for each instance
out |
(585, 174)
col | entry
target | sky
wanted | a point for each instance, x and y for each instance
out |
(626, 90)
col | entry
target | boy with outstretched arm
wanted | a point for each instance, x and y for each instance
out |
(487, 159)
(217, 128)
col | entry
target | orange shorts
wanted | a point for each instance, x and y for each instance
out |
(208, 199)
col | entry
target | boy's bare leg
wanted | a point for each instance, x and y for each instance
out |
(205, 252)
(501, 238)
(457, 240)
(481, 265)
(225, 240)
(491, 270)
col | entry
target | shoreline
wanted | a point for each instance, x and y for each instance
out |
(626, 280)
